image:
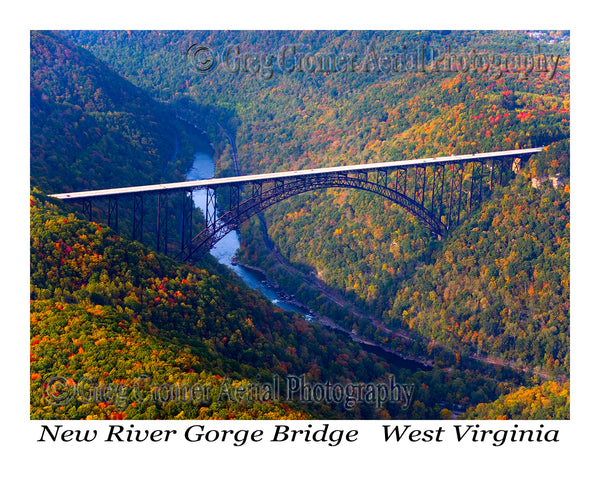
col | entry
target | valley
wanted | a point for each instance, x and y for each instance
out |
(484, 309)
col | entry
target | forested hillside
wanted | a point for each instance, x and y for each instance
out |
(97, 303)
(543, 402)
(496, 289)
(92, 129)
(109, 310)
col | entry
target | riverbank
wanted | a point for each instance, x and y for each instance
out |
(391, 355)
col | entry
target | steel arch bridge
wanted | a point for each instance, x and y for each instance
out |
(438, 191)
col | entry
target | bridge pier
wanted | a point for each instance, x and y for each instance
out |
(87, 209)
(113, 213)
(187, 211)
(162, 211)
(211, 209)
(138, 217)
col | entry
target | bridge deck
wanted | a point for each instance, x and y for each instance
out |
(297, 173)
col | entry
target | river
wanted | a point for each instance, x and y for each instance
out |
(224, 251)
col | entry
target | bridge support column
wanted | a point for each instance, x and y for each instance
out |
(442, 191)
(481, 171)
(161, 222)
(455, 201)
(138, 217)
(476, 191)
(234, 198)
(87, 209)
(433, 189)
(462, 175)
(113, 213)
(420, 180)
(187, 210)
(401, 181)
(382, 176)
(211, 208)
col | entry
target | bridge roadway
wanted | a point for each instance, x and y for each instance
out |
(297, 173)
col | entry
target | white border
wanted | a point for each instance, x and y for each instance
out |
(370, 457)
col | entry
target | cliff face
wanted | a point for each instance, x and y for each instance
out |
(536, 182)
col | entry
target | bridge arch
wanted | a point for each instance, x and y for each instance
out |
(262, 198)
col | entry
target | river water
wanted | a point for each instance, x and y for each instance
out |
(224, 251)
